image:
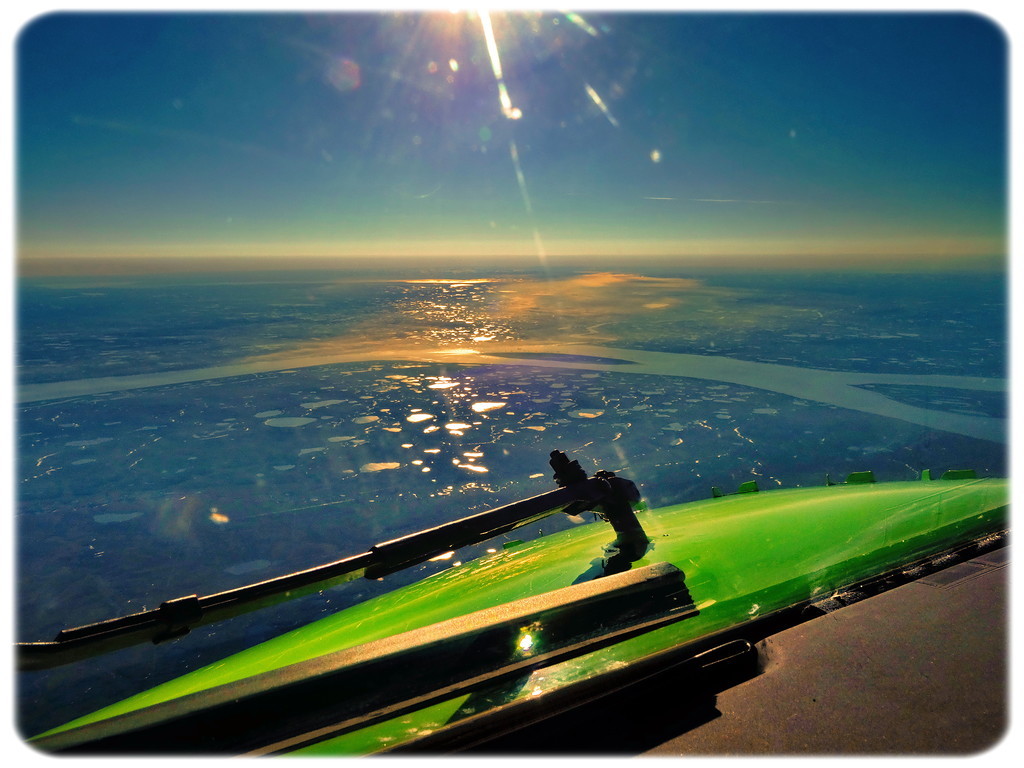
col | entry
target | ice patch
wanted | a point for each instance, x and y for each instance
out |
(84, 443)
(320, 404)
(268, 414)
(365, 419)
(289, 421)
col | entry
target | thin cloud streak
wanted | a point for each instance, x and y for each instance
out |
(190, 137)
(723, 200)
(731, 200)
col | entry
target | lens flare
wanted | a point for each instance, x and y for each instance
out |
(596, 98)
(512, 113)
(343, 74)
(580, 22)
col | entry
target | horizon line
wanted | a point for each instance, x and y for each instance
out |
(69, 266)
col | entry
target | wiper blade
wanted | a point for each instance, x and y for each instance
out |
(611, 496)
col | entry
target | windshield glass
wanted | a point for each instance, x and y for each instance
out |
(291, 285)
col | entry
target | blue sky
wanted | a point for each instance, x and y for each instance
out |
(658, 134)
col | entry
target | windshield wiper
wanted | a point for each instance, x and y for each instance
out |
(610, 496)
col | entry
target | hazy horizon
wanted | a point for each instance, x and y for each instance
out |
(168, 265)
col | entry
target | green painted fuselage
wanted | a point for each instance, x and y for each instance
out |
(744, 556)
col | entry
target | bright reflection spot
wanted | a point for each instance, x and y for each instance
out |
(473, 467)
(416, 417)
(445, 384)
(453, 65)
(443, 556)
(655, 155)
(377, 466)
(218, 518)
(596, 98)
(481, 407)
(526, 643)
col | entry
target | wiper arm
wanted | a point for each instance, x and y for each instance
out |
(612, 497)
